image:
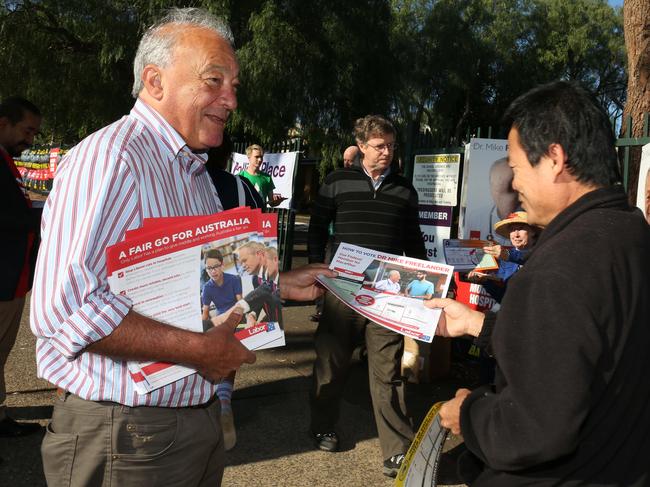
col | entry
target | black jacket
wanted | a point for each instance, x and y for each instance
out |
(17, 219)
(572, 399)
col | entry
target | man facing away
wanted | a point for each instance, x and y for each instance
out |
(262, 182)
(571, 397)
(20, 121)
(374, 207)
(147, 164)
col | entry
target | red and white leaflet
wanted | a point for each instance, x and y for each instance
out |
(389, 289)
(160, 271)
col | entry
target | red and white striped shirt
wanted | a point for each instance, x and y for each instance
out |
(138, 167)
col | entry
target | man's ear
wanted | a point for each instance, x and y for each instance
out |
(558, 160)
(152, 80)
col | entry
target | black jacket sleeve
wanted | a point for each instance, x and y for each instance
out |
(323, 213)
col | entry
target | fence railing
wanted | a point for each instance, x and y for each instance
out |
(627, 142)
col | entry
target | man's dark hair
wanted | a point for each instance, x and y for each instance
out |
(567, 114)
(14, 108)
(214, 254)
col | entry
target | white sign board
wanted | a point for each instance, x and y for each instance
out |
(435, 178)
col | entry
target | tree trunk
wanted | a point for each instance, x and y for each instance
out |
(636, 21)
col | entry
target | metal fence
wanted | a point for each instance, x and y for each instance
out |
(626, 142)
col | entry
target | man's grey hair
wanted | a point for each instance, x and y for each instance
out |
(157, 43)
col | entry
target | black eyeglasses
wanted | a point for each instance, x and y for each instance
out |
(383, 147)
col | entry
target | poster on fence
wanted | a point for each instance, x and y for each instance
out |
(435, 178)
(643, 190)
(280, 166)
(487, 194)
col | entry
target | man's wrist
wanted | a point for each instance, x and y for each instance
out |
(475, 324)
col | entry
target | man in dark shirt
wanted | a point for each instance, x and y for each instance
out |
(371, 206)
(571, 396)
(20, 120)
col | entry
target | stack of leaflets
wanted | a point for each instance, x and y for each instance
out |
(190, 271)
(389, 289)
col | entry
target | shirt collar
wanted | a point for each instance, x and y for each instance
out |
(148, 116)
(377, 182)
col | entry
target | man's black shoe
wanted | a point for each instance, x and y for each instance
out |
(315, 317)
(392, 465)
(11, 429)
(327, 441)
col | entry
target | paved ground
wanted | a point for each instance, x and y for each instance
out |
(271, 414)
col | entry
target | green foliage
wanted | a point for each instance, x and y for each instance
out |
(310, 68)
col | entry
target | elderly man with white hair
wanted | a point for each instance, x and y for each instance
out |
(148, 164)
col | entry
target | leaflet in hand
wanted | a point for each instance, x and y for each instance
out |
(185, 271)
(468, 255)
(389, 289)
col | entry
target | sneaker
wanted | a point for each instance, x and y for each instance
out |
(392, 465)
(228, 428)
(11, 429)
(327, 441)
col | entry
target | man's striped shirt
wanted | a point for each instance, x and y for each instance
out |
(138, 167)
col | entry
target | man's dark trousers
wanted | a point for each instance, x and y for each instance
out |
(338, 332)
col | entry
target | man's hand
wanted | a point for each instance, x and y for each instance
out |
(457, 319)
(222, 352)
(450, 411)
(300, 284)
(275, 199)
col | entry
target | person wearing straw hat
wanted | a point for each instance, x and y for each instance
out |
(522, 237)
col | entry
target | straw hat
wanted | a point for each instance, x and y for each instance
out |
(502, 227)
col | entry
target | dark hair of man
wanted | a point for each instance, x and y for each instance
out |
(214, 254)
(565, 113)
(14, 108)
(372, 126)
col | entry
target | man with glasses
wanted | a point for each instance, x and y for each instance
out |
(374, 207)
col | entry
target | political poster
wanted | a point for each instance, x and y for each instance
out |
(435, 178)
(280, 166)
(389, 289)
(184, 271)
(487, 194)
(643, 190)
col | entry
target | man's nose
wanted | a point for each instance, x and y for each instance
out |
(229, 97)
